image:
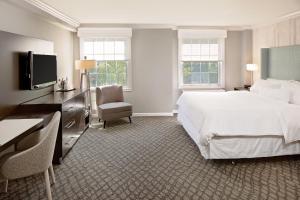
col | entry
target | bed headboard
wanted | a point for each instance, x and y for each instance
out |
(281, 63)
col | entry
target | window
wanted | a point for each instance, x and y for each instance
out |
(201, 62)
(113, 59)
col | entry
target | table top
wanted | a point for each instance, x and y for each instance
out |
(10, 129)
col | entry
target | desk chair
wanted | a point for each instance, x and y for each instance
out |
(33, 155)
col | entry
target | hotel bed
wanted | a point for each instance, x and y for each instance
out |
(240, 124)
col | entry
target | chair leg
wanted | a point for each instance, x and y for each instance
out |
(52, 174)
(104, 123)
(6, 185)
(48, 188)
(129, 119)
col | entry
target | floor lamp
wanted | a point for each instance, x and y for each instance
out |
(251, 68)
(83, 66)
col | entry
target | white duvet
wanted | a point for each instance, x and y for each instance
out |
(239, 113)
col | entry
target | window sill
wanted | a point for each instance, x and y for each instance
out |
(201, 87)
(93, 89)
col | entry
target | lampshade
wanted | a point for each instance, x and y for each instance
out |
(251, 67)
(85, 64)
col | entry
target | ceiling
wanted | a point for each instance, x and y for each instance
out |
(177, 12)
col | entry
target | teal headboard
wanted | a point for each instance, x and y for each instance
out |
(281, 63)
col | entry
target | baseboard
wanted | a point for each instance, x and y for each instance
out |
(152, 114)
(94, 115)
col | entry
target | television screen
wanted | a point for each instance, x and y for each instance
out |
(44, 69)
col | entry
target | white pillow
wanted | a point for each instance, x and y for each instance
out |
(279, 94)
(294, 88)
(264, 84)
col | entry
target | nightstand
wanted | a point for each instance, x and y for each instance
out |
(242, 89)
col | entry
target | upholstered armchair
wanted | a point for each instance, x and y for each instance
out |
(33, 155)
(111, 105)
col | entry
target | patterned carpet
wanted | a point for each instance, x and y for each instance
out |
(154, 158)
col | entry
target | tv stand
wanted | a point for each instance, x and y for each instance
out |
(74, 107)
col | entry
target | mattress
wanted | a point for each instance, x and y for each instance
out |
(233, 147)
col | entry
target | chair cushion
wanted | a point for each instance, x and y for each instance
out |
(114, 107)
(109, 94)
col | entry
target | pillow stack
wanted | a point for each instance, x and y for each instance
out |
(282, 90)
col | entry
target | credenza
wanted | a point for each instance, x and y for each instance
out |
(75, 117)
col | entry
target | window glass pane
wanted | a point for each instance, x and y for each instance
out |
(93, 80)
(101, 67)
(109, 57)
(98, 47)
(186, 49)
(195, 67)
(121, 66)
(120, 47)
(213, 67)
(88, 48)
(195, 49)
(122, 78)
(204, 66)
(213, 78)
(196, 78)
(89, 57)
(99, 57)
(204, 49)
(119, 57)
(109, 47)
(214, 49)
(187, 58)
(213, 58)
(101, 79)
(187, 73)
(204, 78)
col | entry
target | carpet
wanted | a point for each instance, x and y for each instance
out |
(154, 158)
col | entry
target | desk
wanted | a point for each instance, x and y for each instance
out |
(13, 130)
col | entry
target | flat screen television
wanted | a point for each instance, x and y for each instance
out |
(38, 71)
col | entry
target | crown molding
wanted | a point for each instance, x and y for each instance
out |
(51, 14)
(54, 12)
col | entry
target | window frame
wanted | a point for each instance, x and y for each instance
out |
(221, 72)
(82, 39)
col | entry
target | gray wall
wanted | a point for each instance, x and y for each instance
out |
(20, 21)
(154, 63)
(238, 52)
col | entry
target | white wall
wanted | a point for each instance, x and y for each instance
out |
(20, 21)
(283, 33)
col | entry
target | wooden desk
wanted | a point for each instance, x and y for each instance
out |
(13, 130)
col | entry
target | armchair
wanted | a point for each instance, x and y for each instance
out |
(110, 103)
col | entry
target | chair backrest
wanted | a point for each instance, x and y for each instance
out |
(37, 158)
(109, 94)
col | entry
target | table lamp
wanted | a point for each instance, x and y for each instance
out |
(251, 68)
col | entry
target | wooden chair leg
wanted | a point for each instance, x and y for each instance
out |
(129, 119)
(51, 171)
(48, 188)
(104, 123)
